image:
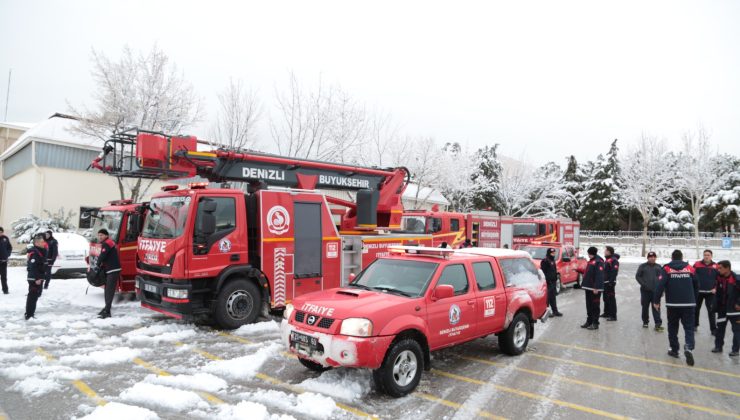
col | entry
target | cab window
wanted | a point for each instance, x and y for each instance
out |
(484, 275)
(435, 225)
(519, 272)
(455, 276)
(454, 225)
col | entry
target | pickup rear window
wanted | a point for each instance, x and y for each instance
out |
(539, 252)
(408, 278)
(519, 272)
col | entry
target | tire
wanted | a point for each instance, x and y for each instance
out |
(313, 365)
(237, 303)
(577, 284)
(514, 340)
(401, 370)
(558, 286)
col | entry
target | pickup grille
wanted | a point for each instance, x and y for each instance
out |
(299, 316)
(322, 323)
(325, 322)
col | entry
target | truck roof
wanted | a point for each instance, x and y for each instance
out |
(457, 254)
(492, 252)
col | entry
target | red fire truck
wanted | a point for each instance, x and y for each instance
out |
(123, 220)
(226, 254)
(529, 230)
(483, 228)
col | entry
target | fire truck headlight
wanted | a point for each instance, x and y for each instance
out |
(357, 327)
(288, 310)
(177, 293)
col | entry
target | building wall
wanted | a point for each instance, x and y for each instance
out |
(19, 197)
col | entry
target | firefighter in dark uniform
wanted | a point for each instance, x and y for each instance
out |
(51, 256)
(109, 262)
(706, 273)
(593, 284)
(727, 307)
(547, 265)
(5, 250)
(681, 287)
(611, 271)
(36, 267)
(647, 275)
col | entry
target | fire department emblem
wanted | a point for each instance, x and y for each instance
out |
(454, 314)
(278, 220)
(224, 245)
(311, 320)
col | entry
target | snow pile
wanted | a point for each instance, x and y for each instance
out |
(156, 334)
(345, 384)
(118, 411)
(248, 410)
(243, 367)
(7, 344)
(35, 387)
(199, 381)
(163, 396)
(258, 328)
(102, 357)
(306, 404)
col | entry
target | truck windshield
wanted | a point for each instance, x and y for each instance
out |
(407, 278)
(167, 217)
(525, 229)
(106, 219)
(539, 252)
(413, 224)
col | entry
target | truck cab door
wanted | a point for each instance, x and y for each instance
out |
(491, 299)
(452, 320)
(214, 251)
(127, 250)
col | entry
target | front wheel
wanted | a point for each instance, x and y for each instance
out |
(578, 281)
(238, 303)
(401, 370)
(558, 286)
(514, 340)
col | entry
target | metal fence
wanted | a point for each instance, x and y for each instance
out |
(712, 240)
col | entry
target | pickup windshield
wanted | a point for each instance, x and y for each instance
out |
(539, 252)
(166, 218)
(406, 278)
(106, 219)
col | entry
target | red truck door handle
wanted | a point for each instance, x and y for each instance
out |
(471, 302)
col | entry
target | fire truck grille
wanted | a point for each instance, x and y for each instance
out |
(299, 316)
(325, 322)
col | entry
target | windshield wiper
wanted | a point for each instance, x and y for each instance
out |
(361, 286)
(392, 290)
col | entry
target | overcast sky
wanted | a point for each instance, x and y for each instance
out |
(542, 79)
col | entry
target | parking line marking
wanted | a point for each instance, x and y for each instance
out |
(207, 396)
(81, 386)
(638, 375)
(280, 383)
(609, 388)
(642, 359)
(530, 395)
(454, 405)
(235, 337)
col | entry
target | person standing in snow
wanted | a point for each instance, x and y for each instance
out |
(36, 267)
(681, 287)
(549, 268)
(706, 273)
(611, 271)
(647, 275)
(110, 263)
(51, 256)
(5, 250)
(727, 307)
(593, 285)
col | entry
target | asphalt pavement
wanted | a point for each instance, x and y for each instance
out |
(618, 371)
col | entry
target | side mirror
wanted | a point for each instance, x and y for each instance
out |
(443, 291)
(206, 223)
(208, 206)
(352, 276)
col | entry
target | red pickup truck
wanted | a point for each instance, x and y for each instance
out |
(569, 264)
(414, 301)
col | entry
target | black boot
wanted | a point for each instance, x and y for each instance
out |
(105, 313)
(586, 325)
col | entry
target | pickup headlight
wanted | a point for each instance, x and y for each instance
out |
(136, 284)
(288, 311)
(358, 327)
(177, 293)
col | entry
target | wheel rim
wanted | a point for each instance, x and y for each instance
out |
(558, 285)
(520, 334)
(404, 368)
(239, 304)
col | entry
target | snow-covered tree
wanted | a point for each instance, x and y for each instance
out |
(523, 191)
(238, 113)
(600, 208)
(26, 227)
(669, 220)
(460, 180)
(139, 90)
(487, 176)
(648, 174)
(698, 178)
(573, 184)
(723, 207)
(423, 163)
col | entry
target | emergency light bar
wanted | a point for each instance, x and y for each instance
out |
(422, 250)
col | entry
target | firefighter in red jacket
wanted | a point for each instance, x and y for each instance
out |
(706, 274)
(727, 307)
(36, 267)
(611, 271)
(109, 262)
(593, 285)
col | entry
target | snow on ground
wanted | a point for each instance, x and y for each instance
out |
(152, 395)
(345, 384)
(102, 357)
(199, 381)
(246, 366)
(118, 411)
(159, 333)
(248, 410)
(258, 328)
(306, 404)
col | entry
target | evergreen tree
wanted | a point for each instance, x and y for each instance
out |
(600, 210)
(488, 174)
(573, 181)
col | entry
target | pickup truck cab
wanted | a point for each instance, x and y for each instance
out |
(569, 264)
(415, 301)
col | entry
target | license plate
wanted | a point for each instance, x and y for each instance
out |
(150, 288)
(307, 340)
